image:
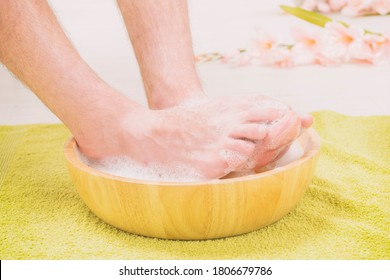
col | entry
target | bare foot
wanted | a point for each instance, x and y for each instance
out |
(213, 137)
(281, 132)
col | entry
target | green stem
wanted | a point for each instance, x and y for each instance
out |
(315, 18)
(312, 17)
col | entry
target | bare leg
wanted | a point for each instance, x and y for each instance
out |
(104, 122)
(36, 50)
(160, 34)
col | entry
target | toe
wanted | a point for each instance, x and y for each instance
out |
(283, 131)
(244, 147)
(233, 159)
(306, 120)
(251, 131)
(268, 157)
(259, 115)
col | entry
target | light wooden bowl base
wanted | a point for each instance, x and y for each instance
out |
(194, 211)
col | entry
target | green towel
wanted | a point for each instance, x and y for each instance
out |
(345, 214)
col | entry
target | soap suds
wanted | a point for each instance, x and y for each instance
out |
(233, 159)
(128, 168)
(295, 152)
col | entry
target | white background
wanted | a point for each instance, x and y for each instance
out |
(97, 30)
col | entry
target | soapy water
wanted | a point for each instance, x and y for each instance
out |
(294, 152)
(128, 168)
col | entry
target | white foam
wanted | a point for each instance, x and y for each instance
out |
(294, 153)
(128, 168)
(233, 159)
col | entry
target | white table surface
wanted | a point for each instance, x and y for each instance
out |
(97, 31)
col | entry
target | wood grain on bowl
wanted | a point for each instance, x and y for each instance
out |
(194, 211)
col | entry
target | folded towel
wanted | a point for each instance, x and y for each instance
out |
(345, 214)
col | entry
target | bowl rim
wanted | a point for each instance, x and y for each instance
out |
(72, 158)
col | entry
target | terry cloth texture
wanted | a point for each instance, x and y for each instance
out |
(345, 214)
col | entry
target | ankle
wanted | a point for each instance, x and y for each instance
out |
(164, 98)
(99, 129)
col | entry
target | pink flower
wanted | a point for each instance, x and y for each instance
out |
(381, 7)
(323, 7)
(337, 5)
(382, 57)
(380, 48)
(312, 47)
(310, 5)
(346, 42)
(328, 60)
(230, 56)
(347, 7)
(262, 48)
(265, 50)
(263, 42)
(356, 7)
(281, 57)
(375, 41)
(307, 46)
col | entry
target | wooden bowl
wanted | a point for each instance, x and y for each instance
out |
(194, 211)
